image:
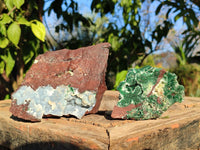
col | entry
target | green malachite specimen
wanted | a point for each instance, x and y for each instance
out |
(146, 93)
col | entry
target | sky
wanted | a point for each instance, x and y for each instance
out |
(84, 5)
(51, 21)
(84, 8)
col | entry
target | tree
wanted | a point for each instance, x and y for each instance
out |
(21, 34)
(71, 21)
(129, 42)
(125, 24)
(188, 11)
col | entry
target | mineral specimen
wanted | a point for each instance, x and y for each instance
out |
(63, 82)
(146, 93)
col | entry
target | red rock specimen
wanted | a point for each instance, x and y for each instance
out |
(63, 82)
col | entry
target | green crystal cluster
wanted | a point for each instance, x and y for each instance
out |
(151, 90)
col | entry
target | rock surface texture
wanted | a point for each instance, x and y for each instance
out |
(63, 82)
(146, 93)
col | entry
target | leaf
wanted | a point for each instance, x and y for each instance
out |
(2, 29)
(38, 30)
(56, 7)
(176, 18)
(14, 33)
(6, 19)
(18, 3)
(193, 17)
(2, 65)
(114, 41)
(57, 29)
(4, 42)
(181, 14)
(158, 8)
(9, 4)
(10, 63)
(94, 5)
(167, 14)
(28, 58)
(169, 3)
(120, 77)
(23, 21)
(7, 96)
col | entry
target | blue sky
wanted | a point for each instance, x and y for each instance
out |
(84, 8)
(84, 5)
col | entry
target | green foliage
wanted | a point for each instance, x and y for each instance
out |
(161, 31)
(189, 76)
(9, 4)
(120, 77)
(19, 44)
(14, 33)
(195, 93)
(5, 19)
(4, 42)
(18, 3)
(114, 41)
(107, 5)
(127, 39)
(191, 40)
(38, 29)
(9, 63)
(149, 61)
(180, 54)
(23, 21)
(10, 24)
(22, 34)
(184, 10)
(71, 16)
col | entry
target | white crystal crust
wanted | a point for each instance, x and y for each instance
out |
(63, 100)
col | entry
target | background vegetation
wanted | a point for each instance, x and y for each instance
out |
(135, 31)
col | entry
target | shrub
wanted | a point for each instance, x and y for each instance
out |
(189, 77)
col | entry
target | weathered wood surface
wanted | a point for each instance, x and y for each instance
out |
(177, 129)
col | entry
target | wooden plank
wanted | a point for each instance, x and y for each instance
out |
(51, 133)
(178, 128)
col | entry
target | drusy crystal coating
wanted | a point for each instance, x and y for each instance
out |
(146, 93)
(60, 101)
